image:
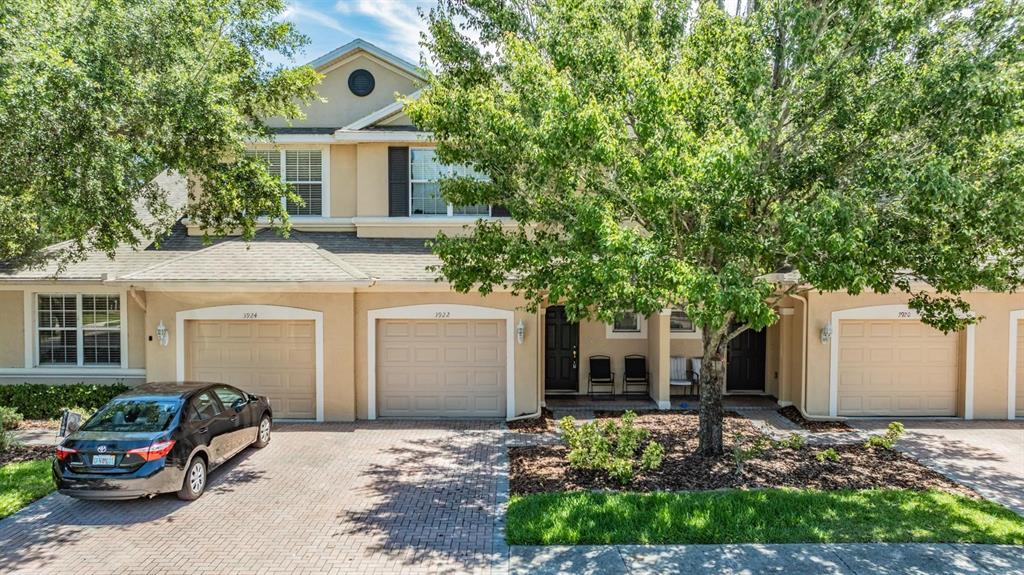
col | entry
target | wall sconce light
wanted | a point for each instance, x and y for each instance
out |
(520, 331)
(826, 333)
(162, 334)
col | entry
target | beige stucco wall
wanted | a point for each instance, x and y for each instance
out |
(527, 399)
(343, 181)
(342, 107)
(991, 347)
(12, 330)
(372, 179)
(12, 334)
(339, 393)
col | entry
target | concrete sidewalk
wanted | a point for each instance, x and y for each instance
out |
(797, 559)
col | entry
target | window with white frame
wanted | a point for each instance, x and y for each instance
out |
(425, 173)
(679, 322)
(303, 171)
(628, 322)
(78, 329)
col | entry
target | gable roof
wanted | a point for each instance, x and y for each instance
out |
(380, 115)
(360, 44)
(268, 257)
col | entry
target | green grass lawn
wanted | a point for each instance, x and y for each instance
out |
(22, 483)
(764, 516)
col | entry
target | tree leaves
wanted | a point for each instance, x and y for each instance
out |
(657, 153)
(98, 98)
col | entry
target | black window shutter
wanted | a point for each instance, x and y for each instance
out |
(499, 211)
(398, 181)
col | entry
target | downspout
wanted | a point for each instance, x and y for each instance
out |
(803, 354)
(135, 296)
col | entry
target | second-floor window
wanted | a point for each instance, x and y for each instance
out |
(425, 174)
(303, 171)
(680, 322)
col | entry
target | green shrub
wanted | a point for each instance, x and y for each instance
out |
(887, 441)
(9, 418)
(6, 440)
(795, 441)
(743, 450)
(41, 401)
(612, 447)
(829, 454)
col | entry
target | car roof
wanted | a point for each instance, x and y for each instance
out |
(182, 389)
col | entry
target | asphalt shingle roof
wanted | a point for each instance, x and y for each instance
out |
(302, 257)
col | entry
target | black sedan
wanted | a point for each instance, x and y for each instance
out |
(160, 438)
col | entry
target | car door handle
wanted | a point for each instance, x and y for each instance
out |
(234, 419)
(204, 429)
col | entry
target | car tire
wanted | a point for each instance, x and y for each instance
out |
(194, 483)
(262, 433)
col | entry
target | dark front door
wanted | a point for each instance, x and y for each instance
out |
(561, 351)
(745, 362)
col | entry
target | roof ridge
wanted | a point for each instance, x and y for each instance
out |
(331, 258)
(371, 48)
(159, 265)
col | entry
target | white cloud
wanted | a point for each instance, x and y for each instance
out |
(397, 23)
(297, 13)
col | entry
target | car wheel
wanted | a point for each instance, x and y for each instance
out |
(263, 433)
(195, 480)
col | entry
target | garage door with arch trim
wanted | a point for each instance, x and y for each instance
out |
(276, 358)
(441, 368)
(896, 367)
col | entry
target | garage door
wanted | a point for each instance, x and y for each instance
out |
(272, 358)
(441, 368)
(892, 367)
(1020, 369)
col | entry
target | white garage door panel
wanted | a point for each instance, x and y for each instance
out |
(441, 368)
(272, 358)
(896, 367)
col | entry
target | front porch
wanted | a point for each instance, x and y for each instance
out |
(589, 365)
(569, 404)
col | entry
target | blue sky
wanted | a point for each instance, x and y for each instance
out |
(394, 25)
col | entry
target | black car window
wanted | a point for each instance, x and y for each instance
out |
(205, 405)
(134, 415)
(228, 396)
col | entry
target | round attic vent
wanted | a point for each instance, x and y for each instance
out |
(361, 82)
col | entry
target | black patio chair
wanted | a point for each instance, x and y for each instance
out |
(636, 380)
(600, 377)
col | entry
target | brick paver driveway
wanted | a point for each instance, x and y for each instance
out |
(371, 497)
(985, 455)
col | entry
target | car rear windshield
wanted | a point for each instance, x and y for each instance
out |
(134, 415)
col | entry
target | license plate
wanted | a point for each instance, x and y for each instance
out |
(103, 460)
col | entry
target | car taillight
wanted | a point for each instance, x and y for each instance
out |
(155, 451)
(64, 452)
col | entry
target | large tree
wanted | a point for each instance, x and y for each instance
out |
(669, 152)
(97, 97)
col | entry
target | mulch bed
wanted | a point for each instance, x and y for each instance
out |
(544, 468)
(793, 414)
(19, 453)
(541, 424)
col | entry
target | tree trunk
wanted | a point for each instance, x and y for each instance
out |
(712, 375)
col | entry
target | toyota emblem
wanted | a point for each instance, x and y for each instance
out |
(102, 449)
